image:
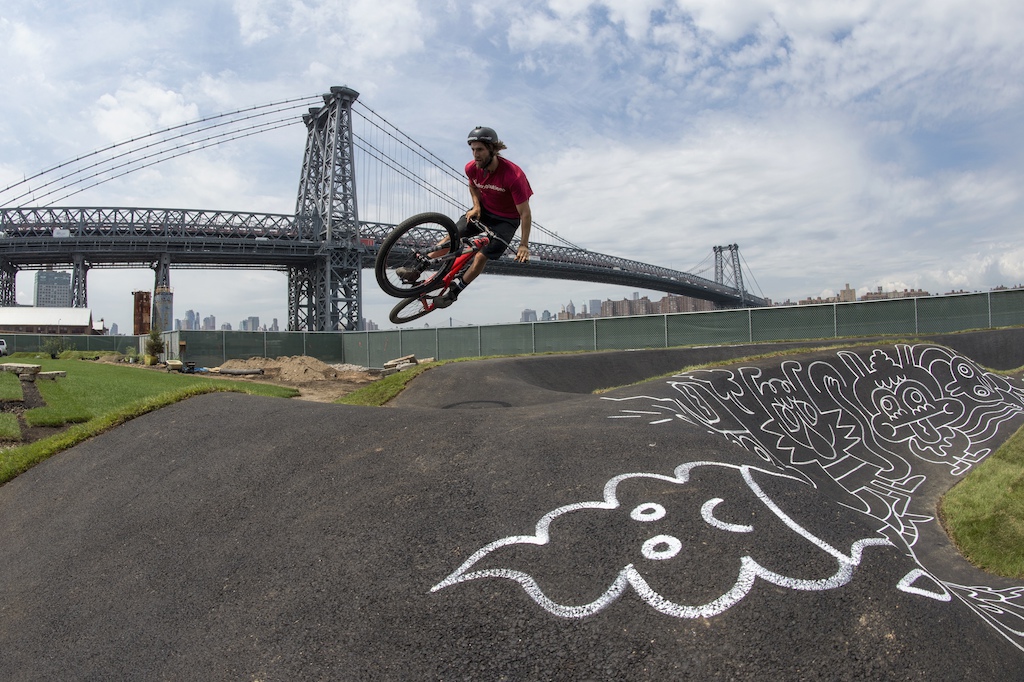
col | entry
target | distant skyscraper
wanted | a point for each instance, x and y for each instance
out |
(113, 329)
(53, 289)
(528, 316)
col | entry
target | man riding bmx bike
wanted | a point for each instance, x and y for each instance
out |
(501, 200)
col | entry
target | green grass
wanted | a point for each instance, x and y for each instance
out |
(65, 404)
(95, 397)
(10, 429)
(984, 513)
(381, 391)
(10, 386)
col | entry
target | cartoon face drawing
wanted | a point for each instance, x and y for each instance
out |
(907, 405)
(665, 537)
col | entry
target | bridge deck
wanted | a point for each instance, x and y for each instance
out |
(35, 238)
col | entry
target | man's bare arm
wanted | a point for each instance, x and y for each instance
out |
(526, 222)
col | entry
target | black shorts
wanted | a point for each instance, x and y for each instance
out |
(503, 227)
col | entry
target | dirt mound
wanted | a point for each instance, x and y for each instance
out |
(299, 369)
(111, 359)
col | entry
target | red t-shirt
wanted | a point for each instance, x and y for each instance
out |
(500, 191)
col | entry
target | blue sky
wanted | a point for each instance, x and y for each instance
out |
(875, 143)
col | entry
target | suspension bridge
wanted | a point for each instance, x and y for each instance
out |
(324, 246)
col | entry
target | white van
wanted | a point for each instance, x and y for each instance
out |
(3, 347)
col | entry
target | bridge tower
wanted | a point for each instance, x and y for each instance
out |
(79, 271)
(326, 295)
(8, 275)
(729, 275)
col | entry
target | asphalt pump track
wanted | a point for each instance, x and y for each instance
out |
(768, 519)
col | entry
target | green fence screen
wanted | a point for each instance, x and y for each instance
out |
(905, 316)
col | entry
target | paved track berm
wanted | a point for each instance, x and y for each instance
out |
(768, 519)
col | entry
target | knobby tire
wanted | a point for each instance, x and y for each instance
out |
(407, 311)
(412, 235)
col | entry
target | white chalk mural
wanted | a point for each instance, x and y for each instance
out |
(868, 427)
(673, 531)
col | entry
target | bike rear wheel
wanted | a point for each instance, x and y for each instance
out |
(406, 248)
(410, 309)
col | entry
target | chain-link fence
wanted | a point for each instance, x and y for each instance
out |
(47, 343)
(904, 316)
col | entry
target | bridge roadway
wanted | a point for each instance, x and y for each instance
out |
(35, 238)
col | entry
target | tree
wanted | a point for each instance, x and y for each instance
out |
(155, 343)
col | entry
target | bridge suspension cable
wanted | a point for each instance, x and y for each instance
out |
(236, 120)
(136, 164)
(704, 266)
(423, 170)
(396, 169)
(746, 267)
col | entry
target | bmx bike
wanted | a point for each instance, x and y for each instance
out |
(409, 267)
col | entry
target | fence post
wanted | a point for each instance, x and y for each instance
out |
(664, 320)
(595, 334)
(750, 326)
(989, 298)
(915, 317)
(835, 320)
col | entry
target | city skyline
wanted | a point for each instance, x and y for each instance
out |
(555, 311)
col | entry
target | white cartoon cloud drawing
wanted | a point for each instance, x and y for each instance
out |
(832, 567)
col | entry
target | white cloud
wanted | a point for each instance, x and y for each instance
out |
(139, 108)
(797, 195)
(359, 32)
(260, 19)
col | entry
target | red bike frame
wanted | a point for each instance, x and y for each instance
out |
(479, 243)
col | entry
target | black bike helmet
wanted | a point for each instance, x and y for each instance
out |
(483, 134)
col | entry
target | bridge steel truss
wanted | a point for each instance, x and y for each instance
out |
(322, 248)
(90, 238)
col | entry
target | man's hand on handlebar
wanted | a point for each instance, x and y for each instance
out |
(523, 254)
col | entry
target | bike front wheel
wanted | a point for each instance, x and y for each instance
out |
(404, 267)
(410, 309)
